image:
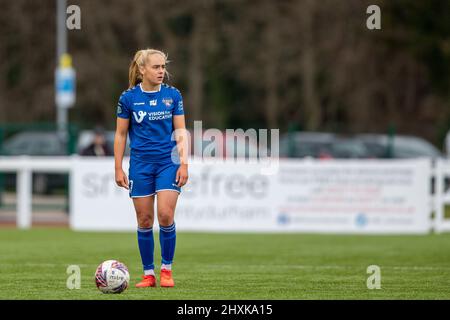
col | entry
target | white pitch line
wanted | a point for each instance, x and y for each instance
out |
(48, 265)
(287, 266)
(258, 266)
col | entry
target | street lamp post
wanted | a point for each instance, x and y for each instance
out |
(64, 75)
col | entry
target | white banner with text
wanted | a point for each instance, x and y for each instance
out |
(339, 196)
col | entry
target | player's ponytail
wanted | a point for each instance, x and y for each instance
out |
(134, 74)
(139, 60)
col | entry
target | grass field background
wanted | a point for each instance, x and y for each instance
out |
(230, 266)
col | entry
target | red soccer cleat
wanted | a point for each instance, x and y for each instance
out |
(166, 279)
(147, 281)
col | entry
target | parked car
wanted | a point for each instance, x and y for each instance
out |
(348, 148)
(328, 145)
(306, 145)
(401, 146)
(34, 143)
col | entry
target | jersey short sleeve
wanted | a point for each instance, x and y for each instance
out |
(123, 107)
(178, 103)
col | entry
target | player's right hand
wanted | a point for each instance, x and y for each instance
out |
(121, 179)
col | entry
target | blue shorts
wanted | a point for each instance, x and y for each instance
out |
(146, 178)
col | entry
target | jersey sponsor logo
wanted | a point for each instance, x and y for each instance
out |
(119, 109)
(159, 115)
(180, 105)
(153, 103)
(139, 116)
(167, 101)
(139, 103)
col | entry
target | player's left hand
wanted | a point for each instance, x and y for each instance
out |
(182, 175)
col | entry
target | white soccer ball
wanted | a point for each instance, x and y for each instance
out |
(112, 276)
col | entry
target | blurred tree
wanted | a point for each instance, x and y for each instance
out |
(242, 63)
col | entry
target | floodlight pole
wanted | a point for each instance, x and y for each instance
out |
(61, 48)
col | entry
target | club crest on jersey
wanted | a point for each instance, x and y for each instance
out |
(153, 103)
(167, 101)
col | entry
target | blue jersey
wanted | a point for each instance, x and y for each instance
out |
(151, 124)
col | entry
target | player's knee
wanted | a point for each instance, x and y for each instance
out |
(145, 223)
(165, 216)
(144, 220)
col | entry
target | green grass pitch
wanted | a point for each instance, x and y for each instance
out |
(230, 266)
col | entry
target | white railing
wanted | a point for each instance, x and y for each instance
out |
(442, 196)
(24, 166)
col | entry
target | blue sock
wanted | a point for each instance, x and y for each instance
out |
(146, 247)
(167, 238)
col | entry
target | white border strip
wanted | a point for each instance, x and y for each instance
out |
(148, 195)
(167, 190)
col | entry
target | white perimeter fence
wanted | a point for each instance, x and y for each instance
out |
(332, 196)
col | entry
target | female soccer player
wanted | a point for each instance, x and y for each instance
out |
(151, 113)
